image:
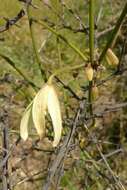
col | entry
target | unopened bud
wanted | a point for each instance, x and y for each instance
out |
(89, 72)
(111, 58)
(95, 92)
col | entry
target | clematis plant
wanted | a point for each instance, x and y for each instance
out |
(46, 101)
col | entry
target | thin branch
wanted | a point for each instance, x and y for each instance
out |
(115, 177)
(111, 76)
(63, 150)
(71, 45)
(76, 15)
(111, 154)
(12, 21)
(12, 63)
(91, 47)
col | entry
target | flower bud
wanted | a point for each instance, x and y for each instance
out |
(95, 92)
(89, 72)
(111, 58)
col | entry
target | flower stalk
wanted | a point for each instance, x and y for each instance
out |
(91, 47)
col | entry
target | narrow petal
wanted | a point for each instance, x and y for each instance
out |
(55, 113)
(24, 124)
(39, 110)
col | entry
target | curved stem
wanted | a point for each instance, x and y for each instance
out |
(114, 33)
(34, 45)
(77, 50)
(62, 70)
(91, 46)
(91, 32)
(18, 70)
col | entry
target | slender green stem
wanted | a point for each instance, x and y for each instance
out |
(63, 70)
(114, 33)
(90, 97)
(77, 50)
(12, 63)
(34, 45)
(91, 31)
(59, 52)
(57, 39)
(91, 46)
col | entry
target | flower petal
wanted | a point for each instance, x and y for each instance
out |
(39, 110)
(24, 124)
(55, 113)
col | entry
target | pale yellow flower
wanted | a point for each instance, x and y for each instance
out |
(45, 101)
(24, 124)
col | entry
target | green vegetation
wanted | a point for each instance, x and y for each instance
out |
(61, 39)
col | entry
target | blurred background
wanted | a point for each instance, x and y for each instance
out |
(84, 166)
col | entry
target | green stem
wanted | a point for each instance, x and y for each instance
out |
(91, 46)
(90, 97)
(63, 70)
(63, 39)
(91, 32)
(34, 45)
(12, 63)
(114, 33)
(59, 52)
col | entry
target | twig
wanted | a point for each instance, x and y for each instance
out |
(111, 76)
(12, 21)
(110, 109)
(104, 32)
(91, 47)
(68, 88)
(71, 45)
(76, 16)
(12, 63)
(115, 178)
(5, 143)
(62, 152)
(2, 163)
(29, 2)
(29, 178)
(112, 154)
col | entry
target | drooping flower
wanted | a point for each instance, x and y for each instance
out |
(45, 101)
